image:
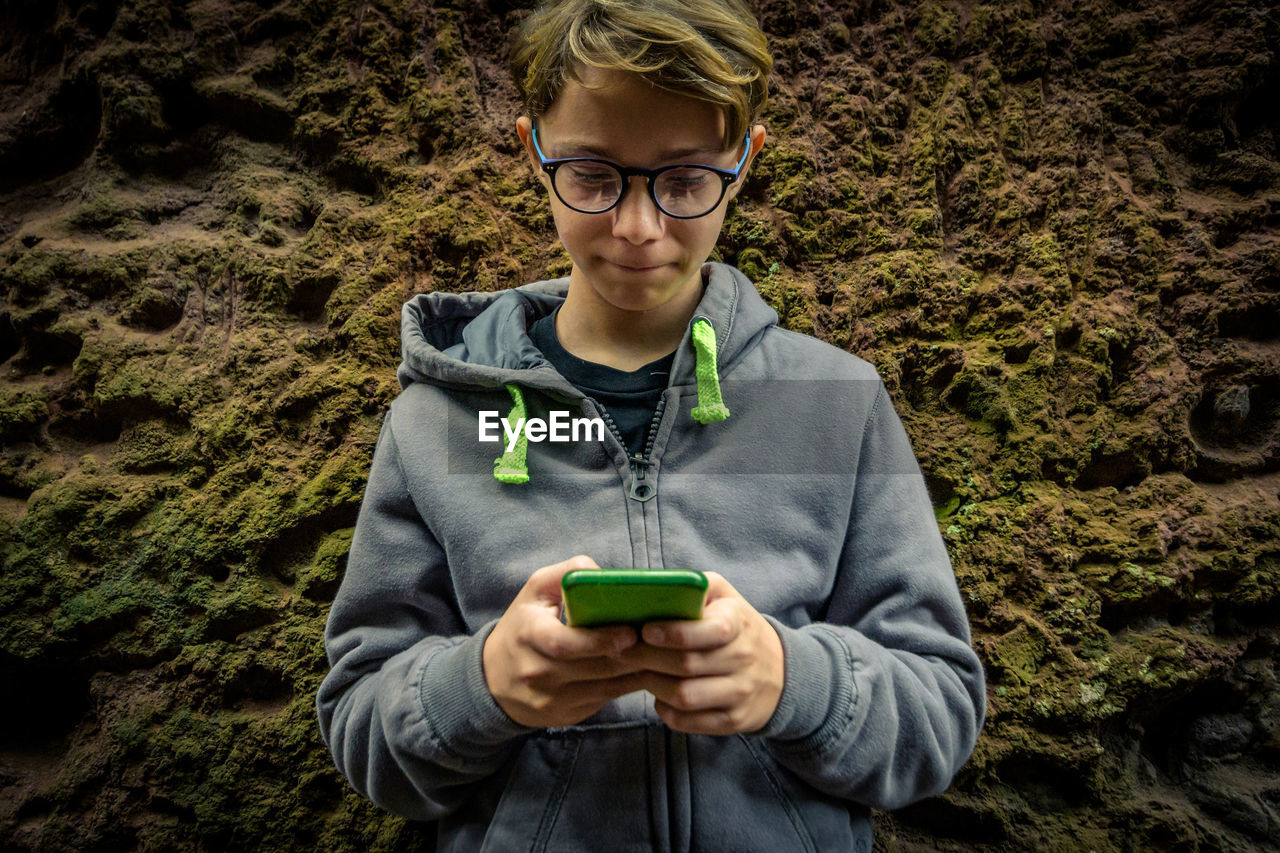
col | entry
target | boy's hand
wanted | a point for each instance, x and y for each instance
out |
(719, 675)
(545, 673)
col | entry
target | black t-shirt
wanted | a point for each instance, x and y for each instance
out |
(629, 397)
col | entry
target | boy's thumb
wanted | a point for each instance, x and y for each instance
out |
(544, 584)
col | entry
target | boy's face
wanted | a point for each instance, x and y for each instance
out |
(634, 257)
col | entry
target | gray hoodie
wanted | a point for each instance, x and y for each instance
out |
(806, 497)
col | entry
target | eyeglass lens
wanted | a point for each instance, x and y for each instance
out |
(592, 187)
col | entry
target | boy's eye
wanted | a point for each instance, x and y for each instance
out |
(587, 173)
(683, 181)
(686, 184)
(690, 177)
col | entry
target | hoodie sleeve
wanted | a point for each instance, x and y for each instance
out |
(883, 699)
(404, 709)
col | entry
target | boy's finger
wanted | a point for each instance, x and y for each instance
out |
(718, 721)
(581, 699)
(712, 631)
(552, 639)
(716, 692)
(682, 662)
(604, 689)
(718, 587)
(544, 584)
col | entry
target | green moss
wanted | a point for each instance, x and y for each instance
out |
(932, 77)
(1242, 171)
(1128, 582)
(249, 603)
(789, 297)
(340, 482)
(1020, 654)
(1013, 37)
(102, 209)
(321, 576)
(938, 29)
(371, 332)
(99, 610)
(153, 445)
(982, 396)
(132, 111)
(135, 382)
(23, 470)
(265, 280)
(21, 414)
(947, 508)
(924, 222)
(34, 273)
(752, 263)
(788, 171)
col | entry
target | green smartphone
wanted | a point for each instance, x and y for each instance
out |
(631, 596)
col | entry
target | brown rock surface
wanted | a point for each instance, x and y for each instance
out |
(1054, 227)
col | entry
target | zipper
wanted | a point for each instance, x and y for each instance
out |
(642, 489)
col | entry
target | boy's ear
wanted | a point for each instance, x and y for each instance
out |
(758, 136)
(524, 130)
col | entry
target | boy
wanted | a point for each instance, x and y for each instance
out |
(831, 671)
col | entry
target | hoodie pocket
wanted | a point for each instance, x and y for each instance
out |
(610, 802)
(530, 803)
(768, 771)
(739, 802)
(823, 822)
(577, 789)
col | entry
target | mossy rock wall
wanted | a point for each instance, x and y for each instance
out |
(1053, 227)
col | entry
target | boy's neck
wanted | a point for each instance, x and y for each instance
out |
(594, 330)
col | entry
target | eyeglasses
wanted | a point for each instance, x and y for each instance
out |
(681, 191)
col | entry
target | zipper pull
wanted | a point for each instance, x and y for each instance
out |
(640, 490)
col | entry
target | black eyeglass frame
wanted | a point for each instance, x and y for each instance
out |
(727, 177)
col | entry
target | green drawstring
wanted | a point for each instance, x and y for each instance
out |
(511, 466)
(711, 407)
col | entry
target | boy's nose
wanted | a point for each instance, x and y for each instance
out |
(637, 219)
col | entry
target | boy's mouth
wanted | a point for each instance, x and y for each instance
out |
(633, 268)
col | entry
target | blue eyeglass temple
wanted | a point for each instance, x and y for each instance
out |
(736, 169)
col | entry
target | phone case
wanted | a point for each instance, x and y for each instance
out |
(632, 596)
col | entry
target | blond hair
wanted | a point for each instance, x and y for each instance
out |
(712, 50)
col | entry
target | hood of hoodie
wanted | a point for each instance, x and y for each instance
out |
(481, 340)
